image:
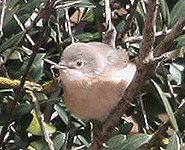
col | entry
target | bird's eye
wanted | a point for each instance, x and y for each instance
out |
(79, 63)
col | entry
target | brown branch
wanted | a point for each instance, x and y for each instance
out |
(41, 123)
(134, 39)
(149, 30)
(175, 32)
(144, 71)
(110, 35)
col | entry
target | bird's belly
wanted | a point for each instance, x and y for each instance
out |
(92, 101)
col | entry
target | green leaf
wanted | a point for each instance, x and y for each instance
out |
(79, 141)
(58, 141)
(177, 43)
(175, 73)
(177, 12)
(89, 16)
(38, 145)
(61, 113)
(41, 97)
(15, 54)
(115, 142)
(164, 12)
(22, 109)
(36, 70)
(9, 15)
(28, 7)
(34, 127)
(20, 143)
(86, 37)
(10, 42)
(119, 142)
(167, 106)
(140, 16)
(83, 3)
(174, 142)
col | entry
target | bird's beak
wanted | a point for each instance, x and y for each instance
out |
(61, 65)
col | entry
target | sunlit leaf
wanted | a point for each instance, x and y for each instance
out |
(88, 15)
(34, 127)
(85, 37)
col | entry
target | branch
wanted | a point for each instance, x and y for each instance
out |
(134, 39)
(23, 29)
(41, 123)
(144, 71)
(18, 93)
(129, 20)
(2, 18)
(68, 24)
(175, 32)
(46, 10)
(110, 35)
(149, 30)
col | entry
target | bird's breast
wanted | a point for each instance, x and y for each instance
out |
(92, 98)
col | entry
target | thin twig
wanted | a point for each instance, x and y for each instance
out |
(41, 123)
(59, 35)
(134, 39)
(68, 24)
(23, 29)
(108, 14)
(175, 32)
(110, 35)
(2, 18)
(172, 93)
(47, 9)
(129, 20)
(18, 93)
(67, 5)
(144, 113)
(149, 31)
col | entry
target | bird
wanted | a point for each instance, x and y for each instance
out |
(94, 77)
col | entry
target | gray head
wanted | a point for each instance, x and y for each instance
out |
(92, 58)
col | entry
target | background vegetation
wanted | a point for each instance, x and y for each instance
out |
(32, 112)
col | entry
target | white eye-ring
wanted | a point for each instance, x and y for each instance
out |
(79, 63)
